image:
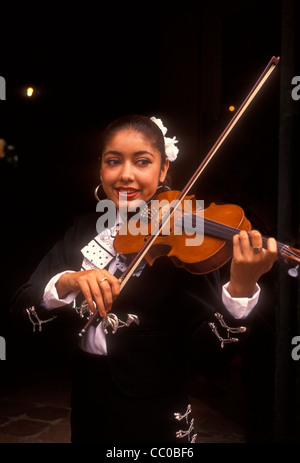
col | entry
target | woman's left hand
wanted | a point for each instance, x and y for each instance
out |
(250, 261)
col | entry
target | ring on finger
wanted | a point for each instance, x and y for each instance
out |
(257, 250)
(103, 279)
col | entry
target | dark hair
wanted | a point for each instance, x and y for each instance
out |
(141, 124)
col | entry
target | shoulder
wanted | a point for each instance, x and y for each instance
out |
(65, 254)
(83, 229)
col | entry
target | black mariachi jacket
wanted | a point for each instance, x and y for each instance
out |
(174, 307)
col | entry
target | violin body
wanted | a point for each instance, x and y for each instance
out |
(215, 248)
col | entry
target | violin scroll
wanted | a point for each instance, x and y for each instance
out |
(291, 257)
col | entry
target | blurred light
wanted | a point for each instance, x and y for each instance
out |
(231, 108)
(29, 91)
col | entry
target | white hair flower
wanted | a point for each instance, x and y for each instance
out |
(171, 149)
(159, 123)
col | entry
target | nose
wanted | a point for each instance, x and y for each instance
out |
(127, 174)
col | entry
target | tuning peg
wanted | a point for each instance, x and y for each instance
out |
(293, 272)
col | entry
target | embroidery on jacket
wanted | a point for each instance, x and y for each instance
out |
(112, 321)
(183, 433)
(35, 320)
(228, 340)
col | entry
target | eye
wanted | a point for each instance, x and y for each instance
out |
(143, 162)
(112, 162)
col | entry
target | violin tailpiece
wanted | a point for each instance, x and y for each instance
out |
(228, 339)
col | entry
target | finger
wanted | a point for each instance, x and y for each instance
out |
(113, 281)
(98, 296)
(105, 289)
(272, 245)
(115, 287)
(85, 289)
(245, 244)
(237, 252)
(256, 240)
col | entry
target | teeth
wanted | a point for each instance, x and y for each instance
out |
(127, 191)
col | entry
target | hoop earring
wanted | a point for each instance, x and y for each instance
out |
(96, 192)
(163, 186)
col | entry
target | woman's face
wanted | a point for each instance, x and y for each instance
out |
(131, 168)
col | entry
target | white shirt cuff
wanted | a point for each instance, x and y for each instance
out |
(51, 298)
(239, 307)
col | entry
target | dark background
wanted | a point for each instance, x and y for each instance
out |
(183, 62)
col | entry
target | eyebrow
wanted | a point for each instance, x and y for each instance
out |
(136, 153)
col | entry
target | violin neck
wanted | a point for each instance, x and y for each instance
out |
(217, 230)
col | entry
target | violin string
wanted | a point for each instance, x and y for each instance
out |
(290, 252)
(223, 231)
(212, 228)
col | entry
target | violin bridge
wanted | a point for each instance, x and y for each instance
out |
(228, 339)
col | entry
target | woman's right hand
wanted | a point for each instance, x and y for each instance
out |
(96, 285)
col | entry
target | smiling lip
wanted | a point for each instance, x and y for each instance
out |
(127, 192)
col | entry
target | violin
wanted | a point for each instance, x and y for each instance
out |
(218, 223)
(215, 226)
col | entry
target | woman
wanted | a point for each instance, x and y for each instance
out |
(129, 384)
